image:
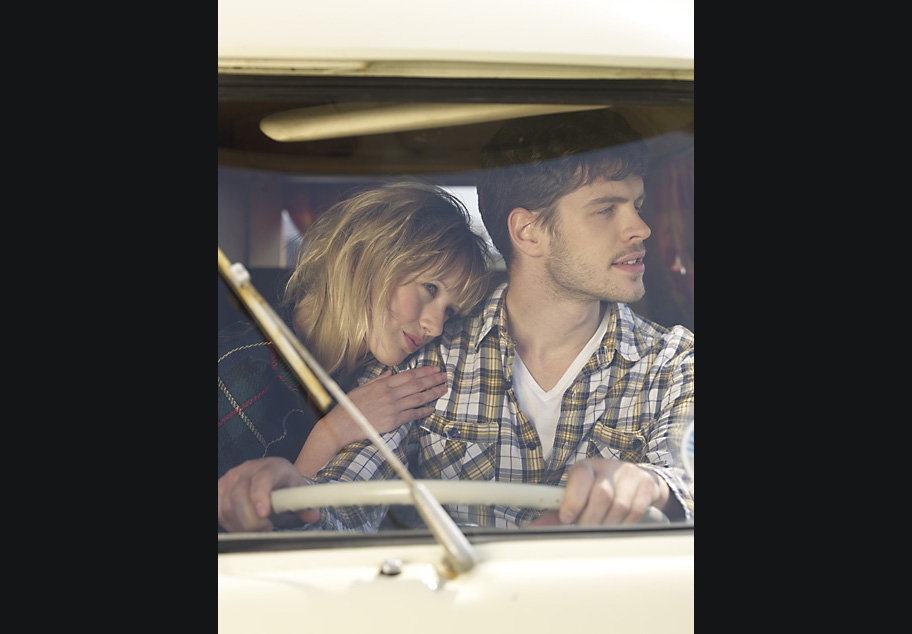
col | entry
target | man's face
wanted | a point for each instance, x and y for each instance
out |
(596, 249)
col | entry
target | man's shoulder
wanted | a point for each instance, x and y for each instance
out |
(646, 335)
(470, 328)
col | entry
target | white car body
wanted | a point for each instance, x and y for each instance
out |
(628, 582)
(499, 38)
(635, 579)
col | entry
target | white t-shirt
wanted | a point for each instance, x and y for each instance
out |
(543, 408)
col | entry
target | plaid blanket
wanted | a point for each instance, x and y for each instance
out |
(262, 411)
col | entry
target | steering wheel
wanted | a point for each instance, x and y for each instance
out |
(387, 492)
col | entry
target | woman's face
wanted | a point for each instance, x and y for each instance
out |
(417, 310)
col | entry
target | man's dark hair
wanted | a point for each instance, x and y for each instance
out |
(534, 161)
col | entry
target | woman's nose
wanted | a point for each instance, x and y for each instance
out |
(432, 321)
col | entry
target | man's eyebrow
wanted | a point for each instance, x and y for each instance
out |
(597, 202)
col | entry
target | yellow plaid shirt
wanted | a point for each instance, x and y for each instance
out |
(631, 401)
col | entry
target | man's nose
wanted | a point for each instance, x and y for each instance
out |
(636, 229)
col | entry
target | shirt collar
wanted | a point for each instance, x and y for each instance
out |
(621, 336)
(493, 316)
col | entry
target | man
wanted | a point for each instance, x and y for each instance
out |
(553, 379)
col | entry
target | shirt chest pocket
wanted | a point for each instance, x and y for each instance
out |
(608, 442)
(457, 450)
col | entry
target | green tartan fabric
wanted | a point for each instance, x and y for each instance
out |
(262, 410)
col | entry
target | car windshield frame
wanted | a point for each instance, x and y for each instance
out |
(246, 98)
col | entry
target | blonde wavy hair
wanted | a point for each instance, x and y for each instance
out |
(356, 253)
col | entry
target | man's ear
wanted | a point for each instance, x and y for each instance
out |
(525, 233)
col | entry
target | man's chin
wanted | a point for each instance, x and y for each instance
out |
(632, 296)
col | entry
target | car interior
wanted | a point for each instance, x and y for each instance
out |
(290, 147)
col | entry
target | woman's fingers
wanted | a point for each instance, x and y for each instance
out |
(391, 400)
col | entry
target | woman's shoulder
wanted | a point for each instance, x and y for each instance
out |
(239, 335)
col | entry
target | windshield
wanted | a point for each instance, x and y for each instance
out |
(290, 148)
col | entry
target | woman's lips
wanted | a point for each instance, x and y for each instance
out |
(413, 342)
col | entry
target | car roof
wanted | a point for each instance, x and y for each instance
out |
(503, 38)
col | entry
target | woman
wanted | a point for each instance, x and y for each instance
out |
(376, 277)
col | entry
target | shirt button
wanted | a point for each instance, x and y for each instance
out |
(531, 445)
(453, 432)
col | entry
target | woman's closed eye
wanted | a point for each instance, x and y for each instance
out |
(433, 290)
